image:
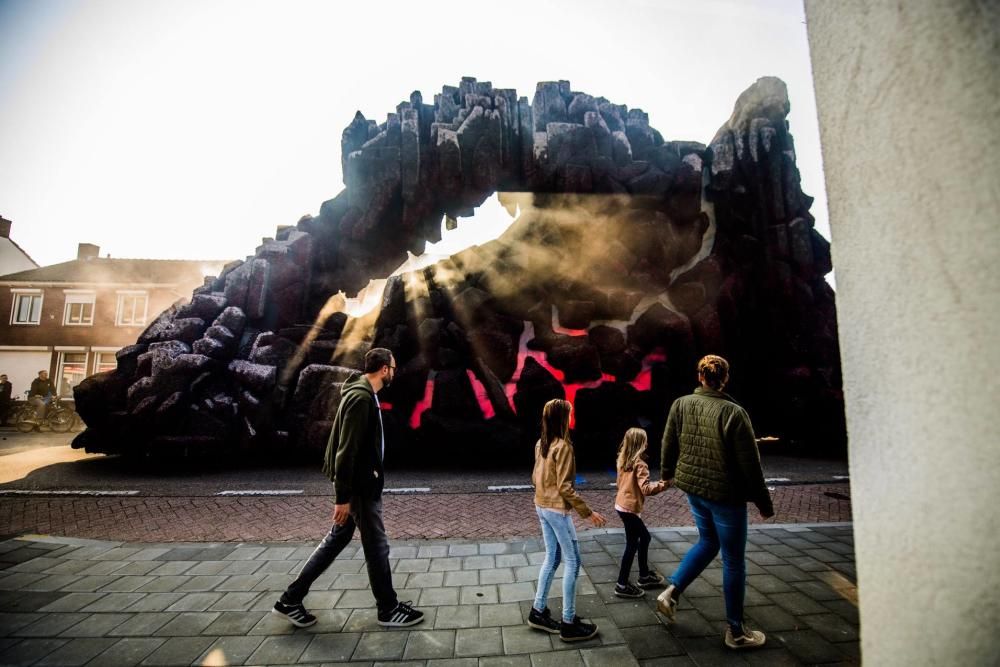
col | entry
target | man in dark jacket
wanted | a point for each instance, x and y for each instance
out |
(353, 462)
(40, 394)
(5, 391)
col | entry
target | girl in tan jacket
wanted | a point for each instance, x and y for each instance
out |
(633, 486)
(555, 496)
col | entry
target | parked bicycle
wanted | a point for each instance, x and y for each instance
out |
(58, 417)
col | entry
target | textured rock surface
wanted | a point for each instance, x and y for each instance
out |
(630, 258)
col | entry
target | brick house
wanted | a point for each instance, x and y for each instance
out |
(71, 318)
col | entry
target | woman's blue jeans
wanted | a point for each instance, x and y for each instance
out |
(560, 544)
(720, 526)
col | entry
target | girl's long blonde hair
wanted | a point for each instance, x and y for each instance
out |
(631, 449)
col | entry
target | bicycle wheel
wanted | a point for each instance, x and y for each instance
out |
(61, 420)
(26, 422)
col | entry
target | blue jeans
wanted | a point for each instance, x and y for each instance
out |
(560, 544)
(720, 525)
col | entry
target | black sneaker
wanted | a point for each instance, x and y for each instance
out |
(401, 616)
(629, 590)
(295, 613)
(542, 620)
(577, 631)
(652, 580)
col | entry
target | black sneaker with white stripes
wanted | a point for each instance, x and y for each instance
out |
(402, 616)
(295, 613)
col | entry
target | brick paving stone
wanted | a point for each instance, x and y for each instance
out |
(229, 651)
(70, 602)
(772, 618)
(432, 551)
(412, 565)
(171, 567)
(138, 567)
(476, 642)
(491, 615)
(631, 614)
(28, 601)
(114, 602)
(96, 625)
(831, 627)
(478, 562)
(143, 625)
(455, 617)
(126, 652)
(773, 654)
(808, 646)
(200, 584)
(155, 601)
(523, 639)
(283, 650)
(463, 550)
(438, 596)
(500, 575)
(195, 602)
(516, 592)
(233, 623)
(503, 661)
(429, 644)
(28, 651)
(187, 623)
(690, 623)
(164, 584)
(609, 655)
(49, 625)
(461, 578)
(568, 658)
(479, 595)
(331, 647)
(77, 652)
(767, 584)
(381, 646)
(797, 604)
(177, 651)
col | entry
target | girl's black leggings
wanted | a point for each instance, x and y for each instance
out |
(636, 539)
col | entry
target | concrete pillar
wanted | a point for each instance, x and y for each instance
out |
(909, 110)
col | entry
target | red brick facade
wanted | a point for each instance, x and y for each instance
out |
(89, 309)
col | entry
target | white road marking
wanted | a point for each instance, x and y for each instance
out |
(65, 492)
(777, 479)
(510, 487)
(412, 489)
(841, 477)
(261, 492)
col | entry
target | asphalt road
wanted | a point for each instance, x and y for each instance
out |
(45, 463)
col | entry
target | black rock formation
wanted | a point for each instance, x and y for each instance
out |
(630, 258)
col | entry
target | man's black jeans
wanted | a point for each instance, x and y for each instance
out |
(366, 515)
(637, 539)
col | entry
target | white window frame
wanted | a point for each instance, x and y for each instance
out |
(63, 351)
(14, 302)
(124, 294)
(77, 297)
(100, 353)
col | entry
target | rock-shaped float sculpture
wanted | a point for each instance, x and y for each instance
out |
(631, 257)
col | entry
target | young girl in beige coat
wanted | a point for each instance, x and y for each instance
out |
(633, 486)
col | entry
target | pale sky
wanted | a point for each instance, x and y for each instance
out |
(190, 129)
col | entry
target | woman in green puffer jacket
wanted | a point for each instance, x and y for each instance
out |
(710, 453)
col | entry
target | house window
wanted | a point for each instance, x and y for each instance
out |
(27, 308)
(72, 369)
(105, 361)
(131, 309)
(79, 309)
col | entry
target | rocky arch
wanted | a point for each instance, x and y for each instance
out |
(631, 257)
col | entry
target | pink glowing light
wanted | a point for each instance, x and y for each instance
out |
(424, 403)
(482, 397)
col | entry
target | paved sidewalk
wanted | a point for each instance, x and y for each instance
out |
(79, 602)
(303, 518)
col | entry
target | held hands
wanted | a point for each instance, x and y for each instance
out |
(597, 519)
(340, 514)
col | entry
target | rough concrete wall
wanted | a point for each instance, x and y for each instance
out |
(909, 109)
